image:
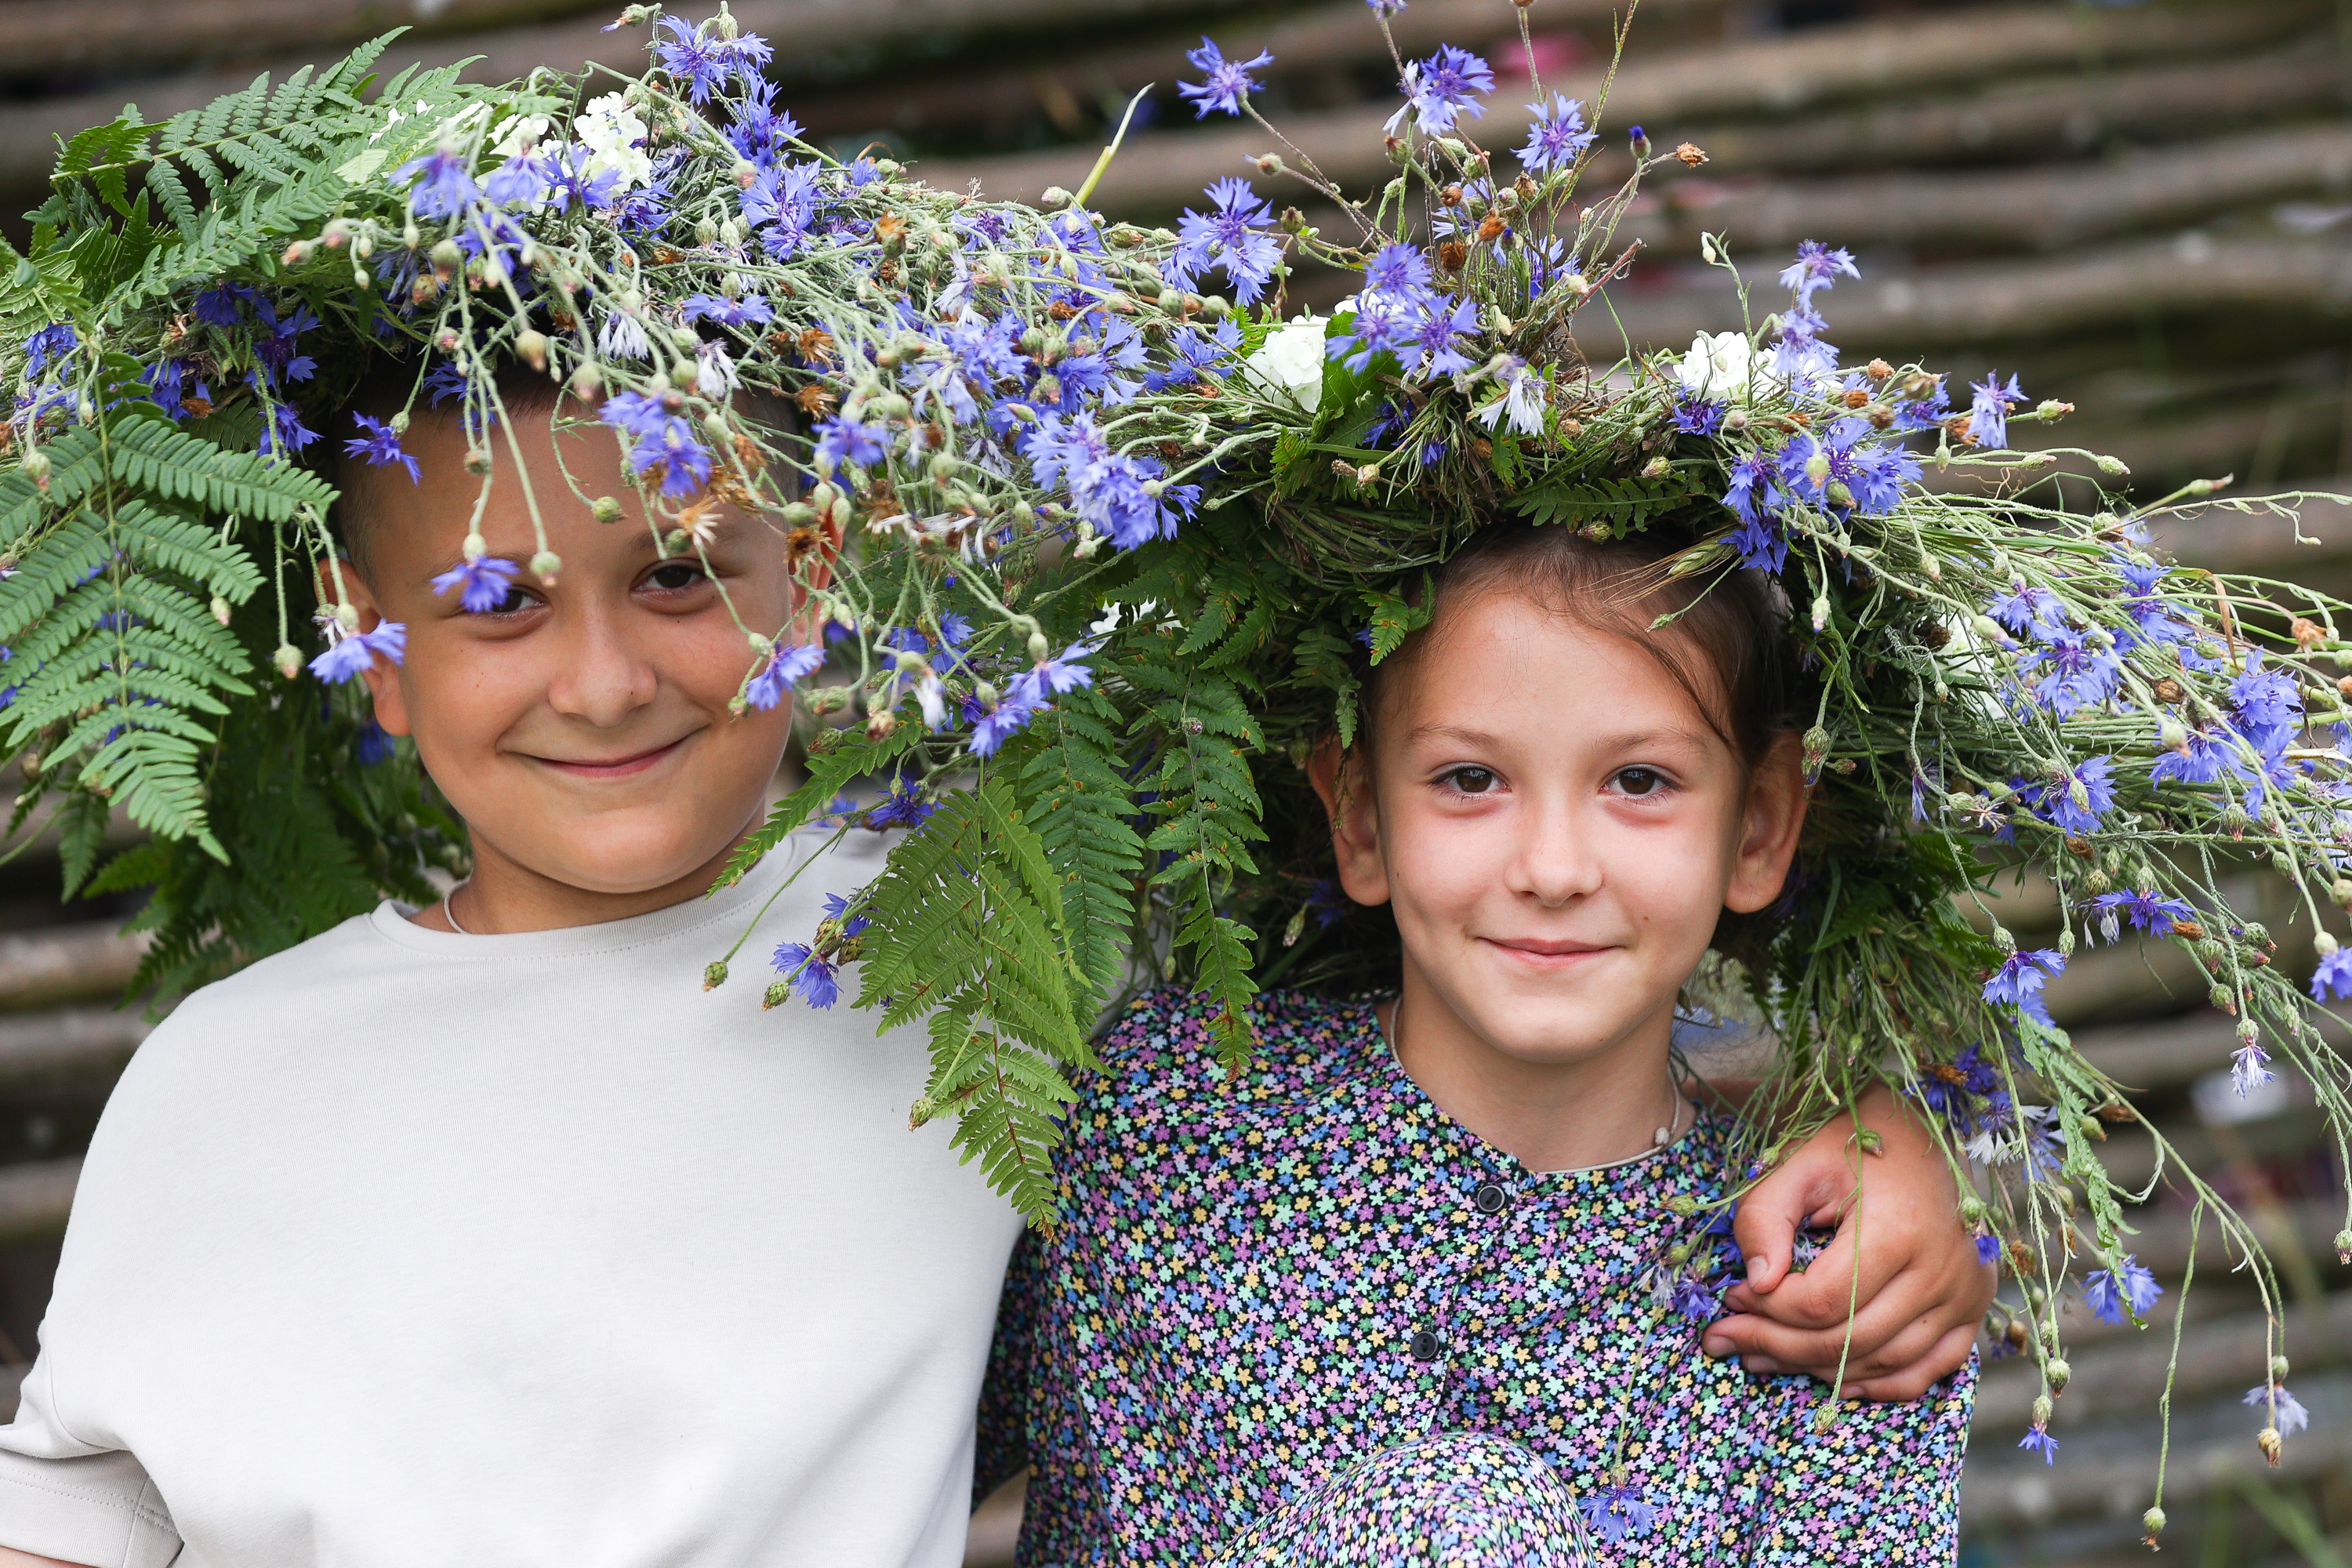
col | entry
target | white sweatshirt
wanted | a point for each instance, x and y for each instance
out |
(412, 1249)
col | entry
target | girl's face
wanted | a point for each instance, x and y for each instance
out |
(1557, 828)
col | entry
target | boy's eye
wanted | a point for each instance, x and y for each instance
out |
(671, 576)
(1471, 780)
(1639, 781)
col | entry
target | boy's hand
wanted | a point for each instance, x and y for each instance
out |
(1918, 1295)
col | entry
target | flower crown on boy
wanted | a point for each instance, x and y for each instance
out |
(1087, 560)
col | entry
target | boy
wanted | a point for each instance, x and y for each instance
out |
(473, 1235)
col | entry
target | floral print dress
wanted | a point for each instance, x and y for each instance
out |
(1302, 1316)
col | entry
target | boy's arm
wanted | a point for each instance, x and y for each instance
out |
(1919, 1293)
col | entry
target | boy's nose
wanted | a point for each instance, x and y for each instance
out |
(601, 679)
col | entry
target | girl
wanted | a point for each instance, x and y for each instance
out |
(1430, 1285)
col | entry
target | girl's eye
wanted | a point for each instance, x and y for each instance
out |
(1471, 780)
(514, 603)
(671, 576)
(1639, 781)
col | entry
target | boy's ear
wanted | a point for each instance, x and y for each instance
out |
(1340, 779)
(1771, 825)
(339, 582)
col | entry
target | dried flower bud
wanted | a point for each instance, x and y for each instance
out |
(531, 345)
(2272, 1445)
(288, 660)
(2152, 1522)
(547, 566)
(2307, 634)
(587, 383)
(220, 609)
(1656, 469)
(880, 723)
(2058, 1371)
(1878, 370)
(478, 462)
(296, 254)
(1267, 163)
(1689, 153)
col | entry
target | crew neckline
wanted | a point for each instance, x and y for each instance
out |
(390, 919)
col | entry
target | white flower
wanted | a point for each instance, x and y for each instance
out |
(1523, 400)
(1289, 363)
(621, 336)
(932, 699)
(715, 371)
(615, 137)
(520, 133)
(1720, 365)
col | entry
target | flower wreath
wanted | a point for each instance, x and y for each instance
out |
(1113, 553)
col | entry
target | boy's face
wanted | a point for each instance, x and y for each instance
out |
(1557, 829)
(581, 729)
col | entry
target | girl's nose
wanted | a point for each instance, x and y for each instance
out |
(1556, 862)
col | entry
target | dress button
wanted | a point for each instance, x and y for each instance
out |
(1426, 1345)
(1490, 1197)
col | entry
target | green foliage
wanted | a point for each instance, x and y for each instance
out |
(850, 755)
(979, 943)
(1068, 763)
(1620, 505)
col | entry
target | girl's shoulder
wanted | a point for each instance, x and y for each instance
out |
(1160, 1053)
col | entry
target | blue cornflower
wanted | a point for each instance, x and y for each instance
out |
(2196, 757)
(1229, 81)
(992, 727)
(1432, 344)
(1556, 136)
(750, 310)
(1614, 1513)
(358, 651)
(1378, 327)
(1817, 266)
(697, 64)
(837, 908)
(1328, 903)
(373, 745)
(2077, 674)
(1385, 7)
(1052, 676)
(760, 129)
(482, 585)
(901, 806)
(379, 445)
(784, 666)
(2333, 978)
(2029, 610)
(1106, 488)
(2017, 981)
(216, 306)
(1437, 90)
(283, 433)
(1226, 237)
(1989, 414)
(781, 205)
(1988, 1248)
(811, 975)
(2056, 803)
(166, 381)
(445, 183)
(567, 181)
(1699, 415)
(2040, 1440)
(955, 630)
(2147, 912)
(844, 441)
(1845, 471)
(2292, 1416)
(2250, 1069)
(2264, 700)
(520, 181)
(1694, 1300)
(53, 341)
(1754, 493)
(2130, 1287)
(1398, 271)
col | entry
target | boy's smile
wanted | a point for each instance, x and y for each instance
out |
(582, 727)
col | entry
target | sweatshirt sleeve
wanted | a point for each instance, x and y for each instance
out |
(1004, 1447)
(63, 1498)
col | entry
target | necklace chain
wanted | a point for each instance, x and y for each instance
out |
(449, 910)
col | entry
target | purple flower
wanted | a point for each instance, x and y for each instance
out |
(2250, 1069)
(1432, 344)
(837, 908)
(811, 975)
(1399, 270)
(994, 726)
(750, 310)
(2199, 757)
(697, 64)
(901, 806)
(2040, 1440)
(1699, 415)
(483, 584)
(1437, 90)
(1989, 414)
(1846, 470)
(1556, 136)
(2333, 978)
(1378, 327)
(844, 441)
(784, 666)
(445, 183)
(2292, 1416)
(2264, 700)
(1817, 266)
(1226, 238)
(216, 306)
(1229, 81)
(284, 433)
(520, 180)
(2131, 1288)
(2146, 910)
(1052, 676)
(2077, 674)
(2076, 804)
(1988, 1248)
(53, 341)
(781, 204)
(1754, 493)
(1614, 1513)
(379, 445)
(2029, 610)
(1107, 488)
(2018, 982)
(567, 181)
(1694, 1300)
(358, 651)
(1385, 7)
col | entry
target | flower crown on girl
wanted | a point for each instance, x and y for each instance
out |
(1099, 556)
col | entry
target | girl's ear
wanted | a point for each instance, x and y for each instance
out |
(338, 582)
(1340, 779)
(1769, 826)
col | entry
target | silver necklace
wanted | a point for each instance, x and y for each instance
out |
(449, 910)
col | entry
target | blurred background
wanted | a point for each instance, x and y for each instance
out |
(2143, 209)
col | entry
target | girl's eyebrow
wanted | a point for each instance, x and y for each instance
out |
(1628, 741)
